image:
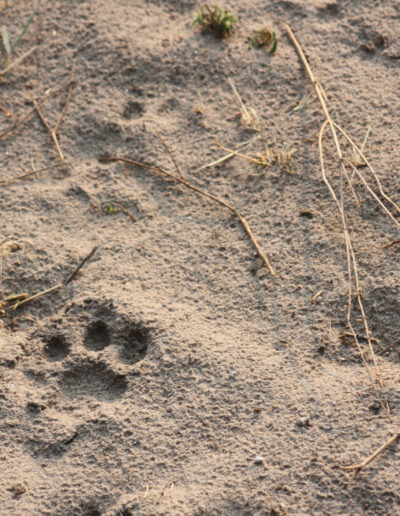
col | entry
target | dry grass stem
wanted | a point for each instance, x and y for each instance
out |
(51, 93)
(352, 266)
(315, 297)
(265, 158)
(74, 273)
(248, 117)
(27, 175)
(124, 210)
(22, 299)
(17, 61)
(53, 131)
(205, 194)
(171, 154)
(356, 159)
(394, 242)
(229, 155)
(49, 129)
(358, 467)
(364, 337)
(8, 113)
(35, 296)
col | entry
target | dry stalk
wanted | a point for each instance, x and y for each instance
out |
(17, 61)
(390, 244)
(22, 299)
(248, 117)
(229, 155)
(171, 154)
(8, 113)
(358, 467)
(13, 180)
(124, 210)
(48, 94)
(53, 131)
(242, 220)
(352, 267)
(265, 158)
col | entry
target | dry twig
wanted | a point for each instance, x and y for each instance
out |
(394, 242)
(48, 94)
(124, 210)
(171, 154)
(13, 180)
(265, 158)
(205, 194)
(53, 131)
(358, 467)
(22, 299)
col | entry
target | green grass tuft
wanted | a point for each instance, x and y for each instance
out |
(219, 22)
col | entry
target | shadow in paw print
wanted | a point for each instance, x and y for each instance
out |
(89, 509)
(133, 342)
(93, 379)
(56, 348)
(132, 110)
(97, 336)
(52, 447)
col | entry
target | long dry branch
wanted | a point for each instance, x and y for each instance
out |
(182, 181)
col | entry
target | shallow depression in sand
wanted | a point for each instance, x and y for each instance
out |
(93, 380)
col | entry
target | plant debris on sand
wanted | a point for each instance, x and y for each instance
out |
(219, 22)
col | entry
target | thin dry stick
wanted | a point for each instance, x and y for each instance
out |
(352, 268)
(35, 296)
(72, 276)
(235, 153)
(239, 98)
(356, 171)
(71, 85)
(205, 194)
(124, 210)
(49, 129)
(364, 463)
(351, 260)
(52, 289)
(53, 132)
(24, 176)
(28, 116)
(17, 61)
(391, 243)
(171, 154)
(370, 167)
(227, 156)
(20, 121)
(373, 339)
(8, 113)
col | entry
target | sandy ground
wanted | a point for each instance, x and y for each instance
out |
(174, 375)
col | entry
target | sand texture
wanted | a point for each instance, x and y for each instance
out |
(174, 375)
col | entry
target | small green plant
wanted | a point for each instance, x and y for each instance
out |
(9, 48)
(265, 38)
(219, 22)
(111, 210)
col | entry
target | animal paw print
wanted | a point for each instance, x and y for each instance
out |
(111, 342)
(131, 340)
(93, 378)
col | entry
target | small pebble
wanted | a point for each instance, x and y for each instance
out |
(258, 460)
(303, 422)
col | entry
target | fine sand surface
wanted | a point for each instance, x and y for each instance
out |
(174, 375)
